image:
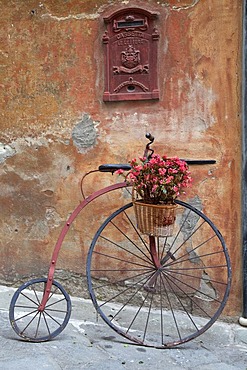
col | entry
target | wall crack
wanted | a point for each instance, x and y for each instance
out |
(71, 16)
(185, 7)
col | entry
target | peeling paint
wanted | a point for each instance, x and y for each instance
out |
(6, 151)
(185, 7)
(193, 257)
(38, 230)
(53, 218)
(207, 291)
(71, 16)
(190, 221)
(84, 134)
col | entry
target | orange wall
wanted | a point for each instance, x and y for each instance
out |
(55, 126)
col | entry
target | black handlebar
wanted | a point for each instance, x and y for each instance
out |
(199, 161)
(148, 154)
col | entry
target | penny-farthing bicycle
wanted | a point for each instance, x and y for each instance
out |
(155, 291)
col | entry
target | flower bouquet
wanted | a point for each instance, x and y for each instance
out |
(157, 182)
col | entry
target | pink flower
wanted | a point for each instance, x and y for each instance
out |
(119, 172)
(154, 188)
(136, 173)
(132, 176)
(162, 171)
(143, 159)
(138, 168)
(172, 170)
(169, 179)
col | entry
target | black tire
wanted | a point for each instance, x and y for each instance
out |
(34, 325)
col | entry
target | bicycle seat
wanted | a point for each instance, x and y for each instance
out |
(114, 167)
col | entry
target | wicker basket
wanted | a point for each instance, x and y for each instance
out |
(157, 220)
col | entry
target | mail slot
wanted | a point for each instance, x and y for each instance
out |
(130, 55)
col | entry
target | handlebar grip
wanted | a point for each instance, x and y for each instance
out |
(199, 161)
(149, 137)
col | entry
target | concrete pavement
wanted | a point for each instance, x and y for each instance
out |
(88, 343)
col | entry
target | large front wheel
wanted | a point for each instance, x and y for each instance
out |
(159, 292)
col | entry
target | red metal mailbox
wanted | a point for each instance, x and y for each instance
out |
(130, 42)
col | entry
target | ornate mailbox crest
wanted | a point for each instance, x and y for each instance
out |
(131, 55)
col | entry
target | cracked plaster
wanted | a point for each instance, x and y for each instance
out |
(92, 16)
(185, 7)
(52, 72)
(6, 151)
(84, 133)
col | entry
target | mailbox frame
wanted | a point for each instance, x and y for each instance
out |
(131, 55)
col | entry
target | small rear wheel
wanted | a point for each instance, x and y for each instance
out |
(159, 292)
(34, 325)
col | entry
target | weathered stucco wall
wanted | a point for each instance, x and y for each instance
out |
(55, 126)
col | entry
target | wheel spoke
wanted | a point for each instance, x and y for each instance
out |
(189, 258)
(30, 322)
(52, 304)
(36, 295)
(37, 329)
(31, 300)
(46, 324)
(197, 268)
(186, 240)
(187, 295)
(148, 316)
(51, 317)
(134, 244)
(139, 285)
(172, 310)
(182, 274)
(180, 301)
(171, 281)
(123, 260)
(121, 281)
(26, 315)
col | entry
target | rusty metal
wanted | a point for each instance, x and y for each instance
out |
(130, 55)
(64, 232)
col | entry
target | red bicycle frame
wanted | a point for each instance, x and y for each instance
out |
(64, 232)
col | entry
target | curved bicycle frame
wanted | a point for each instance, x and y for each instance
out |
(72, 217)
(64, 232)
(147, 153)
